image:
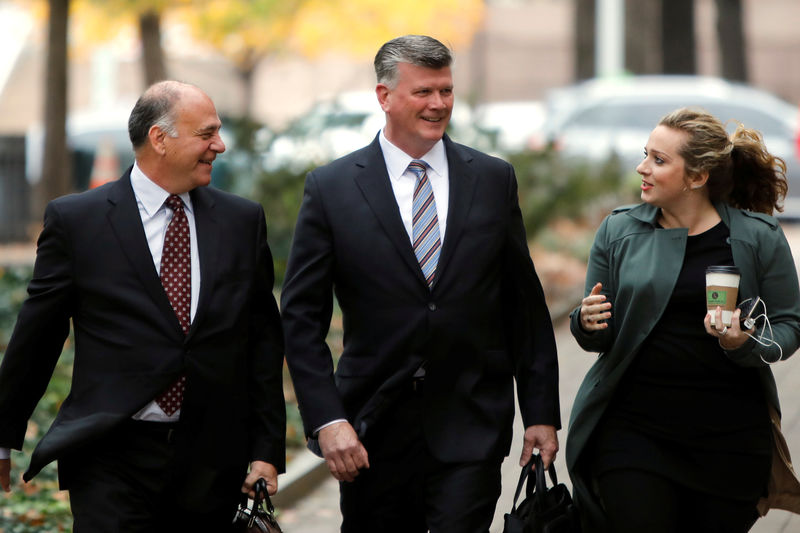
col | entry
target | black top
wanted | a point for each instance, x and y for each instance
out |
(683, 410)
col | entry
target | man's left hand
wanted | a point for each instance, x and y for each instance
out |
(261, 469)
(542, 437)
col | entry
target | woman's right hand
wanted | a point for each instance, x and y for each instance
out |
(594, 309)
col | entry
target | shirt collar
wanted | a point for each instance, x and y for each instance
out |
(150, 195)
(397, 160)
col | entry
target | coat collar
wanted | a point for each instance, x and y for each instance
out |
(463, 181)
(648, 214)
(125, 221)
(642, 212)
(372, 179)
(208, 243)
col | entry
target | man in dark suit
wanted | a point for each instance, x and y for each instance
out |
(422, 241)
(177, 381)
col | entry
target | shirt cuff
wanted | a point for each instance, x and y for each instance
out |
(5, 453)
(323, 426)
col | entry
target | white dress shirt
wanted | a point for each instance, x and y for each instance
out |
(403, 181)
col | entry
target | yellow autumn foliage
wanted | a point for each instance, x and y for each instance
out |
(247, 30)
(359, 27)
(242, 30)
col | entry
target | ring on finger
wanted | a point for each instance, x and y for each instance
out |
(723, 331)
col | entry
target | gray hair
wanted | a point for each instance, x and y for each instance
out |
(156, 107)
(419, 50)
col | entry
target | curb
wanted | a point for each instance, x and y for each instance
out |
(303, 474)
(306, 471)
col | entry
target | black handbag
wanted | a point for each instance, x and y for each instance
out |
(260, 518)
(543, 510)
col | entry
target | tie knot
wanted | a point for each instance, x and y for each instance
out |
(174, 202)
(418, 167)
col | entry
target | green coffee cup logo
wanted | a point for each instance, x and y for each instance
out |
(715, 298)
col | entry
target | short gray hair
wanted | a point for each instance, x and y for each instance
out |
(156, 107)
(419, 50)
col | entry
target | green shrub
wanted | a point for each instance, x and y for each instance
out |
(551, 187)
(13, 284)
(38, 506)
(280, 193)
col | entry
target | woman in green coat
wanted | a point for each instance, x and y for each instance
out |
(671, 429)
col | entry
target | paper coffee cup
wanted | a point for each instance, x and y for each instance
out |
(722, 290)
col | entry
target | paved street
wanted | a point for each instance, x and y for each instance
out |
(318, 512)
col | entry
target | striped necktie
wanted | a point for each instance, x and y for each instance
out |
(425, 222)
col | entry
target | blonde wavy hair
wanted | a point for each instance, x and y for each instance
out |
(740, 170)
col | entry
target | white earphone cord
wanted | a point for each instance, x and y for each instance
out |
(760, 339)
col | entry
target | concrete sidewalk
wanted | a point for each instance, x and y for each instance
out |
(17, 254)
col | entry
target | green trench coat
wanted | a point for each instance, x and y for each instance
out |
(638, 265)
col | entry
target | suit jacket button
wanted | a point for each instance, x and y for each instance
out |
(432, 306)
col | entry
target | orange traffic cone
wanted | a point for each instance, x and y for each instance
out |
(106, 164)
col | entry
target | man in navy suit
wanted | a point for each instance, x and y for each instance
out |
(177, 383)
(422, 241)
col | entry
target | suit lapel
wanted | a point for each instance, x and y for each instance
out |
(208, 246)
(462, 180)
(373, 180)
(126, 222)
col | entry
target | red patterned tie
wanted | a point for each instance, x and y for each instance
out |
(176, 277)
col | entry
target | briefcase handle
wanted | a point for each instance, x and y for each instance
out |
(262, 496)
(537, 481)
(526, 470)
(541, 483)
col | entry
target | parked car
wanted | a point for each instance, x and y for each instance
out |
(330, 129)
(594, 119)
(515, 126)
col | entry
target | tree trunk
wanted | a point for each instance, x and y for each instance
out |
(152, 55)
(584, 39)
(677, 37)
(643, 36)
(246, 74)
(246, 67)
(478, 59)
(730, 35)
(56, 179)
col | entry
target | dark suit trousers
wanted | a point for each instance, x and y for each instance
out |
(407, 490)
(126, 482)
